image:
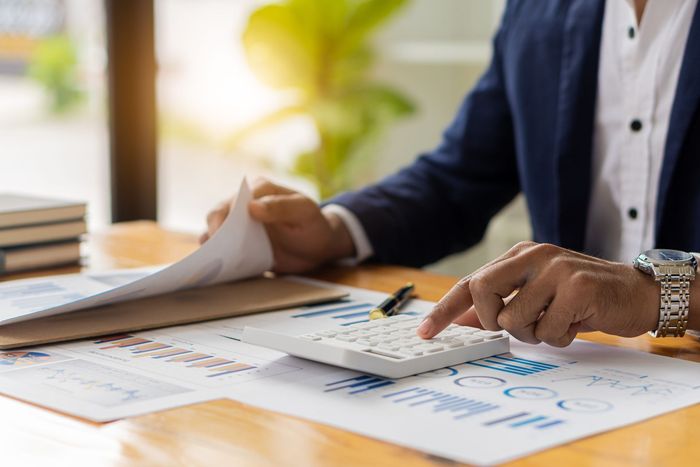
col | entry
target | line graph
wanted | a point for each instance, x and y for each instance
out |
(88, 381)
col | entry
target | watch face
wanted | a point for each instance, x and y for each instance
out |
(667, 256)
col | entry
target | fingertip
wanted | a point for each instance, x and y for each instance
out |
(203, 238)
(425, 330)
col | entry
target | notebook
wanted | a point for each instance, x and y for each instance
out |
(17, 210)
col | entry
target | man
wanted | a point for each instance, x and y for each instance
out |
(589, 107)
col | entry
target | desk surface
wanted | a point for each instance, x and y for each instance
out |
(229, 433)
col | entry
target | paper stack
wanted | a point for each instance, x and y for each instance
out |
(39, 232)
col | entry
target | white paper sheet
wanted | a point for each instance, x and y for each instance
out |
(239, 249)
(132, 374)
(483, 412)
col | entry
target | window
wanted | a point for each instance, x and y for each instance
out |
(53, 132)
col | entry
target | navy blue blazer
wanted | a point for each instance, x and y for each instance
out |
(528, 126)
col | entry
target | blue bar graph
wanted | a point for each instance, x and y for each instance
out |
(347, 311)
(361, 314)
(334, 310)
(459, 407)
(359, 384)
(523, 419)
(528, 421)
(516, 366)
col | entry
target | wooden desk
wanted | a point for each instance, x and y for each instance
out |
(229, 433)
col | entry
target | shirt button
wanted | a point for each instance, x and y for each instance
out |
(632, 213)
(631, 32)
(636, 125)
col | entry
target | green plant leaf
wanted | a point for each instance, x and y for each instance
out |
(279, 50)
(321, 49)
(54, 65)
(366, 17)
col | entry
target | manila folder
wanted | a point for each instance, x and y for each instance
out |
(182, 307)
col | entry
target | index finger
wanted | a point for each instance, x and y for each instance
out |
(453, 304)
(459, 299)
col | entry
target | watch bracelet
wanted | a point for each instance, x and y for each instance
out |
(674, 304)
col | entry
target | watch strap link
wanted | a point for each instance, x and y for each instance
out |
(675, 302)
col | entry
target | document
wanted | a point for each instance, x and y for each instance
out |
(239, 249)
(125, 375)
(482, 412)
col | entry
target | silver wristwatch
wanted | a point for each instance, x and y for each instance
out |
(673, 270)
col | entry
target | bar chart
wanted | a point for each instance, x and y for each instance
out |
(359, 384)
(525, 419)
(457, 406)
(346, 312)
(508, 363)
(439, 402)
(140, 347)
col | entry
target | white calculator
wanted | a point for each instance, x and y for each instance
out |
(386, 347)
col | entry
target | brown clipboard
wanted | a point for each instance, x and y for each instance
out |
(182, 307)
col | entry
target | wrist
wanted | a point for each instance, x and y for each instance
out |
(341, 244)
(646, 299)
(650, 291)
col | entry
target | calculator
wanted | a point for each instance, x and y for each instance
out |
(387, 347)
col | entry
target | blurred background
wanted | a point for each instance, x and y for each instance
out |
(322, 96)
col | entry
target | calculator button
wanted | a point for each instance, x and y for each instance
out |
(311, 337)
(387, 353)
(471, 339)
(453, 344)
(346, 338)
(488, 335)
(386, 346)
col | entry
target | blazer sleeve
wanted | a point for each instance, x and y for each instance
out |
(443, 202)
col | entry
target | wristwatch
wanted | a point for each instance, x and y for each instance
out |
(673, 270)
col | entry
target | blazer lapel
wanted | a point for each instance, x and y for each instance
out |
(578, 87)
(684, 109)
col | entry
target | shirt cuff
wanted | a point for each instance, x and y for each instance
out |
(363, 248)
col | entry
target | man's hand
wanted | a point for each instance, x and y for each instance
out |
(302, 237)
(559, 293)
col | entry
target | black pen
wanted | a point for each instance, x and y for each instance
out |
(393, 303)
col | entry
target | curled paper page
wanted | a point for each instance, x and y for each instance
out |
(238, 250)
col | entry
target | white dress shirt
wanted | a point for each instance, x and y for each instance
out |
(637, 77)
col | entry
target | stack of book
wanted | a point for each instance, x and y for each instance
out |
(39, 232)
